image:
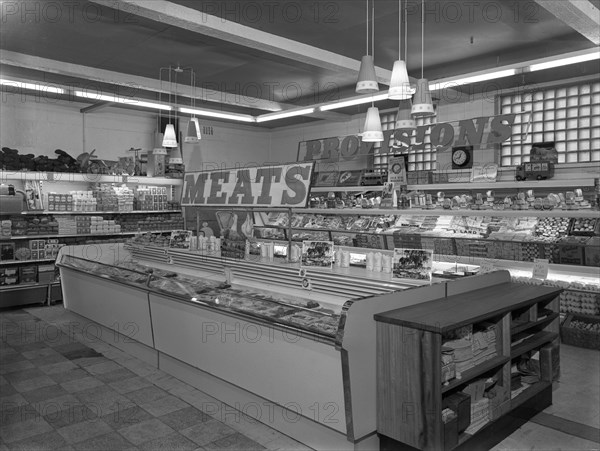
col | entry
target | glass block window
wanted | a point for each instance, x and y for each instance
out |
(421, 156)
(567, 115)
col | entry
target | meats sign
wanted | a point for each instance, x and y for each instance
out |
(268, 186)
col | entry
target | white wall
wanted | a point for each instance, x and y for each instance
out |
(40, 126)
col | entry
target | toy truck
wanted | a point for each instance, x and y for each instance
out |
(539, 170)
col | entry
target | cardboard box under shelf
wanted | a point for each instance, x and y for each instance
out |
(451, 433)
(460, 403)
(580, 337)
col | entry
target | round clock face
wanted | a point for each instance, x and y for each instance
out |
(460, 157)
(396, 168)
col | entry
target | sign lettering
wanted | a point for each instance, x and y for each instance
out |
(275, 186)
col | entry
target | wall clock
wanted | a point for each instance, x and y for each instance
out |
(462, 157)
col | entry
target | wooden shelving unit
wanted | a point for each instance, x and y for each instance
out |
(410, 391)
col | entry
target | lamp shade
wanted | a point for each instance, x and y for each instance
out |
(372, 131)
(367, 80)
(400, 88)
(169, 140)
(422, 105)
(193, 131)
(403, 117)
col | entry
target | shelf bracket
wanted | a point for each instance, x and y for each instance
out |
(96, 107)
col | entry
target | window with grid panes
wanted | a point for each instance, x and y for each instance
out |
(421, 159)
(567, 115)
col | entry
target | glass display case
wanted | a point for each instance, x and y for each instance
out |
(287, 310)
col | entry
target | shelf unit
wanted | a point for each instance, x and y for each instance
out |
(63, 182)
(409, 362)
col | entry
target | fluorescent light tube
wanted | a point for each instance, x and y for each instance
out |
(449, 83)
(33, 86)
(218, 114)
(595, 54)
(354, 101)
(284, 114)
(123, 100)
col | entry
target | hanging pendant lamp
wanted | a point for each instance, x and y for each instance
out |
(403, 116)
(422, 106)
(169, 140)
(193, 131)
(400, 88)
(367, 79)
(372, 131)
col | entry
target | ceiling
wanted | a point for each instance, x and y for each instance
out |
(259, 57)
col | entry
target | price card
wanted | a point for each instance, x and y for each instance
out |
(306, 284)
(540, 268)
(125, 178)
(486, 266)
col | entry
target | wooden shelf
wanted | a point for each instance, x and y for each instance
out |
(587, 213)
(518, 328)
(534, 342)
(478, 370)
(85, 235)
(93, 213)
(87, 178)
(529, 393)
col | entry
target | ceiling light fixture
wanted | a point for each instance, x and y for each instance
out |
(284, 114)
(353, 101)
(170, 137)
(400, 88)
(218, 114)
(588, 56)
(372, 131)
(453, 82)
(367, 79)
(122, 100)
(31, 86)
(193, 130)
(422, 106)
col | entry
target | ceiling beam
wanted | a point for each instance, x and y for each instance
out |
(205, 24)
(96, 107)
(132, 82)
(581, 15)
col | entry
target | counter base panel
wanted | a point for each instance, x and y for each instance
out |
(284, 420)
(120, 308)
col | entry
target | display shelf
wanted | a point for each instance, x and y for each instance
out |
(472, 373)
(345, 189)
(534, 342)
(84, 235)
(510, 185)
(20, 262)
(518, 328)
(91, 213)
(87, 178)
(21, 286)
(587, 213)
(529, 393)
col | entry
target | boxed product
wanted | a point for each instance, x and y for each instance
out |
(460, 403)
(592, 251)
(9, 276)
(28, 274)
(46, 273)
(7, 251)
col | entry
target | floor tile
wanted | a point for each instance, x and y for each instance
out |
(104, 398)
(14, 413)
(114, 376)
(111, 441)
(42, 442)
(70, 375)
(12, 358)
(21, 430)
(104, 367)
(171, 442)
(184, 418)
(70, 348)
(58, 368)
(40, 353)
(22, 375)
(207, 432)
(126, 417)
(75, 413)
(534, 437)
(53, 405)
(6, 390)
(94, 358)
(234, 441)
(78, 385)
(33, 384)
(145, 431)
(130, 384)
(16, 366)
(84, 430)
(41, 394)
(164, 405)
(49, 360)
(146, 394)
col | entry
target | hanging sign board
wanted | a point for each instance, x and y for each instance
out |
(267, 186)
(397, 170)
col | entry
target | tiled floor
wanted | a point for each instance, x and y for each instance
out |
(61, 390)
